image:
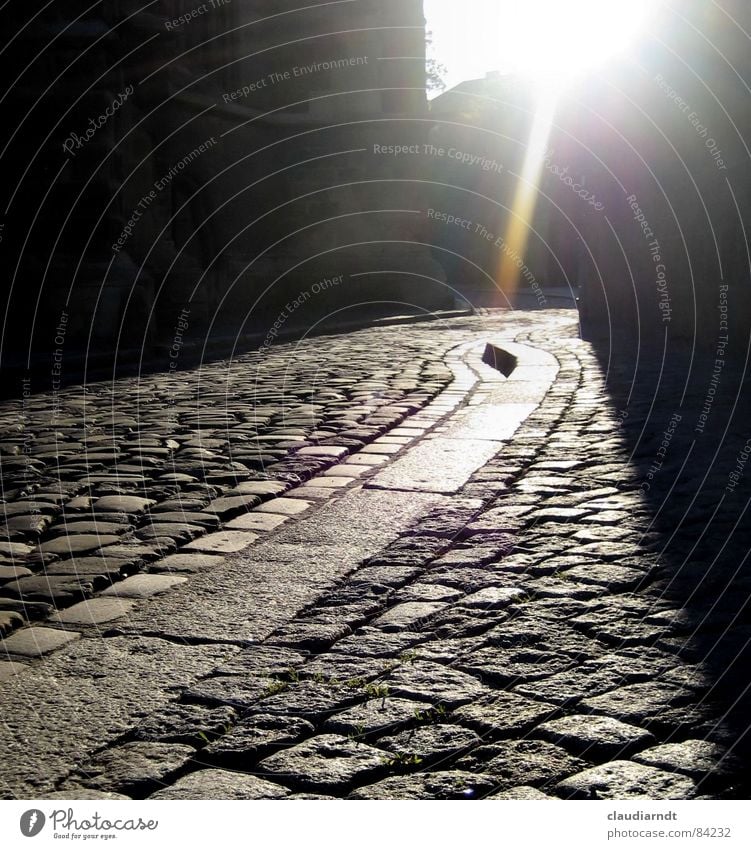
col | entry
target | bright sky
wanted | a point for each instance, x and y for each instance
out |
(544, 37)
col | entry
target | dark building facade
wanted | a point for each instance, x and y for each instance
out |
(214, 163)
(237, 166)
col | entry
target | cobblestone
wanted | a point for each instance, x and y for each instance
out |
(328, 762)
(512, 762)
(95, 611)
(131, 767)
(35, 642)
(431, 743)
(435, 785)
(377, 716)
(626, 780)
(699, 759)
(525, 620)
(221, 784)
(185, 723)
(595, 737)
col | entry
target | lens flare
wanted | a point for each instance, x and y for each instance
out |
(549, 42)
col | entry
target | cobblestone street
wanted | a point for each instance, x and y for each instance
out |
(481, 559)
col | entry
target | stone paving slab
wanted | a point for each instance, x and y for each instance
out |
(284, 507)
(187, 562)
(144, 586)
(222, 542)
(439, 465)
(256, 522)
(8, 669)
(95, 611)
(35, 642)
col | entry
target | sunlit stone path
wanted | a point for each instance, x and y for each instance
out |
(373, 566)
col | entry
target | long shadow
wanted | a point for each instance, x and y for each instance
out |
(687, 430)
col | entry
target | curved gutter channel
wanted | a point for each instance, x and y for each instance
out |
(171, 640)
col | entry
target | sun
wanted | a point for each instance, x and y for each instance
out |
(544, 39)
(552, 37)
(550, 42)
